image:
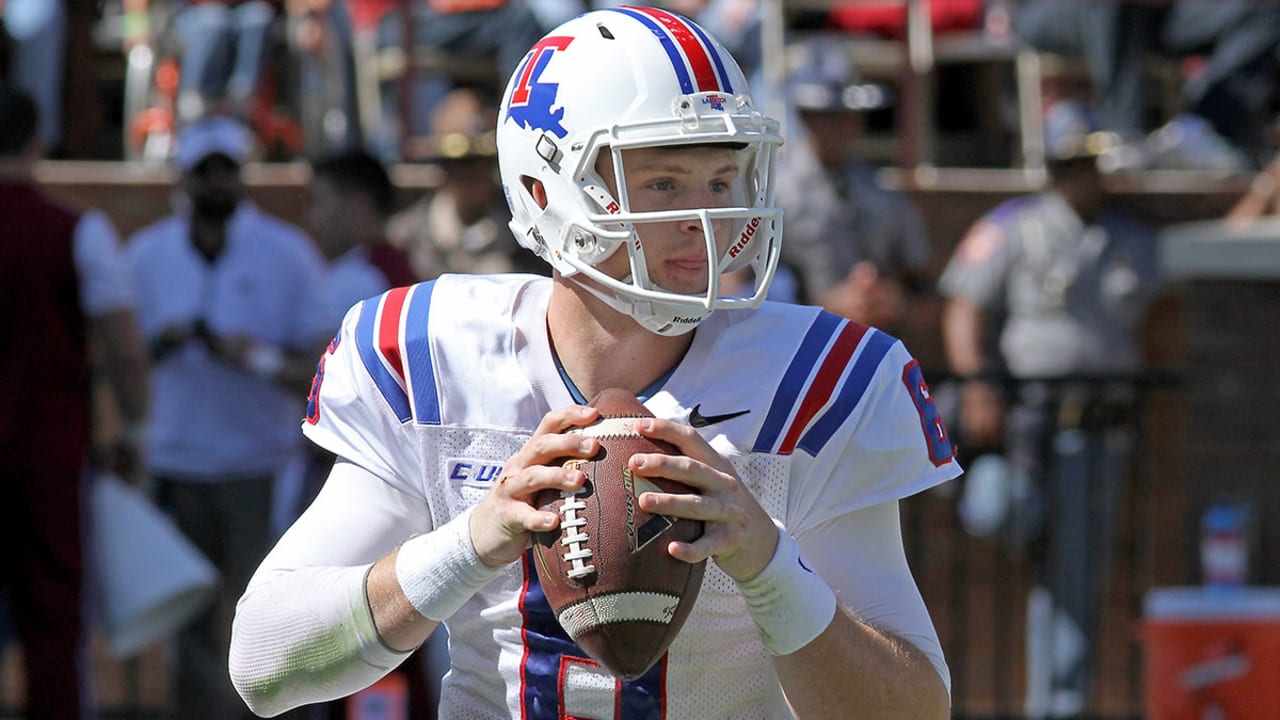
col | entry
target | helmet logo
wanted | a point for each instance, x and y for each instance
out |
(531, 101)
(715, 101)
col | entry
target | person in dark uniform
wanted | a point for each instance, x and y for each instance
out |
(1047, 288)
(860, 249)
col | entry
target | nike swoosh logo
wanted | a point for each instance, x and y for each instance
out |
(697, 419)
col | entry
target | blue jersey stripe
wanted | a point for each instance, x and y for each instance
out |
(367, 346)
(795, 380)
(874, 348)
(417, 356)
(677, 60)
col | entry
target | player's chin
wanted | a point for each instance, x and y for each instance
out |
(691, 282)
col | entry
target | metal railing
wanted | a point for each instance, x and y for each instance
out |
(978, 585)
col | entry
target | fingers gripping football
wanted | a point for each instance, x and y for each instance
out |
(738, 533)
(606, 571)
(502, 524)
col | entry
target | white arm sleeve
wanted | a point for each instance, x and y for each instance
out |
(303, 631)
(860, 554)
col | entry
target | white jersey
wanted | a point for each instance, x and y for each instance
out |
(434, 386)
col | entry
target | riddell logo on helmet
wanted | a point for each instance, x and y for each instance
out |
(747, 233)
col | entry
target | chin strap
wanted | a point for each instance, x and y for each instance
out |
(660, 318)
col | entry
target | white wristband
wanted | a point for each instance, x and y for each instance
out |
(789, 603)
(439, 571)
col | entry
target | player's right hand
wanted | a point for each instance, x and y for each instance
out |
(503, 522)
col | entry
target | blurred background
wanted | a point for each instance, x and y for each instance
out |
(1114, 549)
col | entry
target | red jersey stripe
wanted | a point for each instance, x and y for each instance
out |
(389, 330)
(824, 383)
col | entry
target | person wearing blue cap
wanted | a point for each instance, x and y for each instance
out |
(860, 249)
(225, 293)
(1051, 288)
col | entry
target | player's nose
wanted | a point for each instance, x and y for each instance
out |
(691, 225)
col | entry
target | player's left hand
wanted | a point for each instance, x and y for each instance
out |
(739, 535)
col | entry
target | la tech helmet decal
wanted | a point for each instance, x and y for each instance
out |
(532, 101)
(698, 68)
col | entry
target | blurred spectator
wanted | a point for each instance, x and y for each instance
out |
(860, 249)
(322, 41)
(502, 30)
(349, 199)
(462, 225)
(66, 315)
(1064, 285)
(1224, 99)
(37, 46)
(372, 31)
(225, 296)
(225, 44)
(485, 31)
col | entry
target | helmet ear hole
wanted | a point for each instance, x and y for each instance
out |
(536, 190)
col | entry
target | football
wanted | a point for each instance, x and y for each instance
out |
(605, 571)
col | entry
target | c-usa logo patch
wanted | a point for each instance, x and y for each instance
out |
(471, 472)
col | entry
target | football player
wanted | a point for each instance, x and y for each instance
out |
(636, 164)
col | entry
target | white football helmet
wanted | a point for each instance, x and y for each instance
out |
(630, 77)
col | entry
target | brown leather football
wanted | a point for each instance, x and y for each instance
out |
(606, 571)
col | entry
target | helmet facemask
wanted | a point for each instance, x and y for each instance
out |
(733, 236)
(740, 234)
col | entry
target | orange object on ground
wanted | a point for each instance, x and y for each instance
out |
(1212, 653)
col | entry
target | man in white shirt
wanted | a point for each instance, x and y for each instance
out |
(225, 293)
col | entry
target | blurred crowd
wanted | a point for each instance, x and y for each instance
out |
(1177, 85)
(218, 311)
